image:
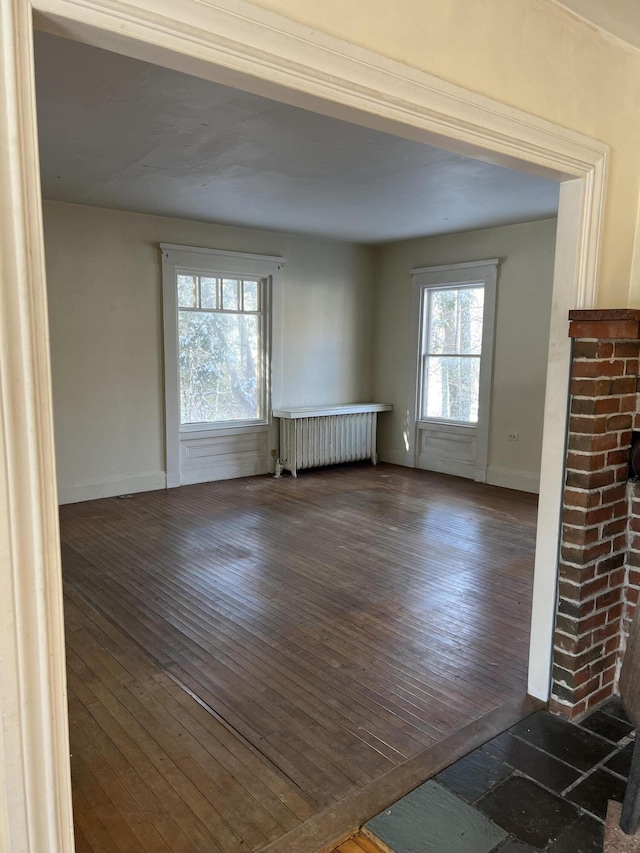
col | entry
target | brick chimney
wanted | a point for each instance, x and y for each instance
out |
(599, 570)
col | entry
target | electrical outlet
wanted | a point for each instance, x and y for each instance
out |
(273, 453)
(514, 436)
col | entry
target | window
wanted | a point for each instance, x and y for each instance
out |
(452, 327)
(222, 361)
(221, 348)
(454, 307)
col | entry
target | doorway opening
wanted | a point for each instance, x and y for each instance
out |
(575, 231)
(312, 643)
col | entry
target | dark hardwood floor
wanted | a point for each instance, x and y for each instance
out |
(252, 658)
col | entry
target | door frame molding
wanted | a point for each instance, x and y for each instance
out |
(235, 43)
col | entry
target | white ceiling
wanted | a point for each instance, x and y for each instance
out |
(621, 18)
(117, 132)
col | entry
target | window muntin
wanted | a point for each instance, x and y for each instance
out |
(221, 349)
(451, 351)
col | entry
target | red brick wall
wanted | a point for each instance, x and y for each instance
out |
(594, 570)
(632, 563)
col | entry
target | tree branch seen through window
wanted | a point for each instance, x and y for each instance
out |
(220, 349)
(452, 347)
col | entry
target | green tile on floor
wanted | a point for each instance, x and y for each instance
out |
(433, 820)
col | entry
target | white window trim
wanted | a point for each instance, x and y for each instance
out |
(444, 276)
(237, 264)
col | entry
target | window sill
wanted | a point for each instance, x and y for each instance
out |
(210, 431)
(426, 423)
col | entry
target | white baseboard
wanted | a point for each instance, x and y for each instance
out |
(496, 475)
(507, 478)
(480, 474)
(396, 457)
(77, 492)
(511, 478)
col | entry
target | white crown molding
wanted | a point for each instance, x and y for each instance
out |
(233, 42)
(242, 39)
(617, 22)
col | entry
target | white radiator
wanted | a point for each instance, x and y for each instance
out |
(311, 437)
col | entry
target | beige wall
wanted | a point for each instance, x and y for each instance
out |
(104, 288)
(521, 339)
(531, 54)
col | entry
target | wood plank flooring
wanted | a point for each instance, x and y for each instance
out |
(245, 655)
(359, 844)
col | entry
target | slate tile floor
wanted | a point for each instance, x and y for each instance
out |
(542, 786)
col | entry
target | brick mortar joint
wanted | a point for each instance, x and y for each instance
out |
(596, 660)
(580, 452)
(590, 492)
(589, 563)
(576, 637)
(593, 597)
(601, 396)
(581, 526)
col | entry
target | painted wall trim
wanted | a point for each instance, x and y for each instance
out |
(178, 437)
(461, 267)
(446, 276)
(35, 779)
(496, 475)
(78, 492)
(236, 43)
(570, 236)
(512, 478)
(221, 254)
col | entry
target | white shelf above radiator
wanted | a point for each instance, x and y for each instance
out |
(327, 411)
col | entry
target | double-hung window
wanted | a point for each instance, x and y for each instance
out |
(220, 365)
(454, 310)
(221, 349)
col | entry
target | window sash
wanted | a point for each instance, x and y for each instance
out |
(261, 360)
(432, 293)
(427, 293)
(219, 311)
(219, 281)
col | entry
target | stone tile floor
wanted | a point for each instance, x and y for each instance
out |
(541, 786)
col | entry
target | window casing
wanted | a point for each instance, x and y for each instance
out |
(462, 421)
(235, 297)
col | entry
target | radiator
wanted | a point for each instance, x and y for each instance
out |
(312, 437)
